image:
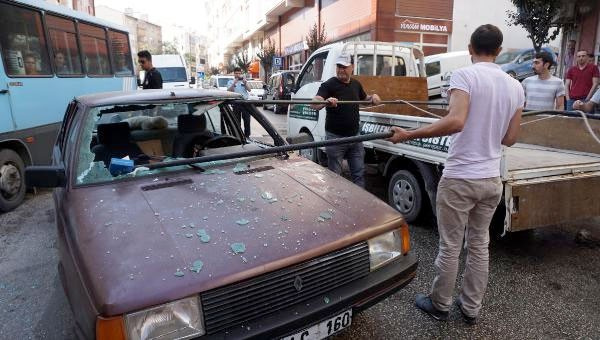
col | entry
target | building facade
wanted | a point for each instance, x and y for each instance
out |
(86, 6)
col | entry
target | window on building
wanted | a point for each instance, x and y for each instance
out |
(24, 47)
(313, 70)
(95, 50)
(121, 54)
(65, 51)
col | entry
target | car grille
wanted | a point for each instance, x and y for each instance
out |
(243, 301)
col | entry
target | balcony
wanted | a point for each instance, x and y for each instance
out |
(282, 7)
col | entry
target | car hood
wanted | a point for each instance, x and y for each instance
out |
(133, 239)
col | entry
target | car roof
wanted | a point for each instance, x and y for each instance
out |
(144, 96)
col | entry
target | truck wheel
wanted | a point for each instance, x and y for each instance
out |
(405, 195)
(12, 180)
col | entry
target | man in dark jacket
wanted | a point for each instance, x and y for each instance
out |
(152, 79)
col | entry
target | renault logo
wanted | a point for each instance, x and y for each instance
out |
(298, 283)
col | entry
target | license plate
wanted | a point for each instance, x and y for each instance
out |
(324, 328)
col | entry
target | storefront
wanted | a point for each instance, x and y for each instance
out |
(432, 36)
(295, 55)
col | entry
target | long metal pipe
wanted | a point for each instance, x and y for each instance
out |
(270, 150)
(317, 102)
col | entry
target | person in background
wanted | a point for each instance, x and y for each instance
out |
(60, 64)
(30, 62)
(152, 78)
(582, 80)
(569, 57)
(543, 91)
(239, 85)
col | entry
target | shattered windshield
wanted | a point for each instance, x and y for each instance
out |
(118, 141)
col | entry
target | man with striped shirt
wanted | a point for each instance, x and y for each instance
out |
(543, 91)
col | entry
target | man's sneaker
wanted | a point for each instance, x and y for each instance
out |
(469, 320)
(424, 303)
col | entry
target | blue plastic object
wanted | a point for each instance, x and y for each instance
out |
(120, 166)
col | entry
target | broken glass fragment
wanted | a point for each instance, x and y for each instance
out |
(267, 195)
(242, 221)
(326, 215)
(189, 235)
(197, 266)
(204, 237)
(239, 167)
(326, 300)
(179, 273)
(238, 248)
(259, 175)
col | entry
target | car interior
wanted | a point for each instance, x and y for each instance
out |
(155, 133)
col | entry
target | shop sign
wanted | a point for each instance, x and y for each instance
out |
(408, 25)
(295, 48)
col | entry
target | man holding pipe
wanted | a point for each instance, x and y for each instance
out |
(484, 114)
(343, 120)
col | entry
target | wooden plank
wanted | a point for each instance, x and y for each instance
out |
(394, 88)
(567, 133)
(554, 200)
(522, 157)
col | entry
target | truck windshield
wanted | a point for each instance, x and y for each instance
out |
(223, 81)
(172, 74)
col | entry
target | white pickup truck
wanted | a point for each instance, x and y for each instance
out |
(551, 176)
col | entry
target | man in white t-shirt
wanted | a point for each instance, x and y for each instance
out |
(484, 114)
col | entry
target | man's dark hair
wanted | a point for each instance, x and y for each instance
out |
(546, 58)
(145, 54)
(486, 40)
(237, 69)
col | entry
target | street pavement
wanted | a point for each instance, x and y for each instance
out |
(543, 284)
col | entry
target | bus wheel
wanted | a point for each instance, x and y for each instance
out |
(12, 180)
(405, 195)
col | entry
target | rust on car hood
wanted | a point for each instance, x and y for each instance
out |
(134, 239)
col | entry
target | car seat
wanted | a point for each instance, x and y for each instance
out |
(114, 142)
(191, 129)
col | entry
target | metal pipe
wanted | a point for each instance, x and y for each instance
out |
(321, 102)
(272, 150)
(573, 113)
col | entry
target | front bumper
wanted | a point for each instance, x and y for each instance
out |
(358, 295)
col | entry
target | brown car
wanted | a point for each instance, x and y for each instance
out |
(163, 234)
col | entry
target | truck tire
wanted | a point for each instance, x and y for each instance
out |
(12, 180)
(405, 195)
(310, 154)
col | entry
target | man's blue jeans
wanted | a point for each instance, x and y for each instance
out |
(354, 153)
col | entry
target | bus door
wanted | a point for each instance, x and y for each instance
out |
(6, 119)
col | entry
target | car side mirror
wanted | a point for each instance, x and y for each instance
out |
(192, 80)
(46, 176)
(265, 87)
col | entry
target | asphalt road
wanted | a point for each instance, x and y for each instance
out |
(543, 284)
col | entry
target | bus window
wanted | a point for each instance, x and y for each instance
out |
(121, 53)
(23, 43)
(400, 68)
(65, 52)
(95, 50)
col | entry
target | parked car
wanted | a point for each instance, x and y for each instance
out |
(173, 70)
(220, 82)
(519, 63)
(280, 86)
(156, 244)
(437, 65)
(257, 89)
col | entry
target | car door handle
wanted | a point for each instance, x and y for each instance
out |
(3, 91)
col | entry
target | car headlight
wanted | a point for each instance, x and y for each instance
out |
(181, 319)
(384, 248)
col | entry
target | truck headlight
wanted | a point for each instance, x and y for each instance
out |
(384, 248)
(181, 319)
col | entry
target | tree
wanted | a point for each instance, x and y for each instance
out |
(214, 71)
(190, 59)
(316, 38)
(536, 17)
(266, 57)
(169, 47)
(242, 61)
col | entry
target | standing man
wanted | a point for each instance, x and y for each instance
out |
(582, 80)
(239, 85)
(484, 114)
(343, 120)
(543, 91)
(152, 78)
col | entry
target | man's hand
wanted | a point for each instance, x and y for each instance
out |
(375, 99)
(331, 102)
(578, 105)
(400, 135)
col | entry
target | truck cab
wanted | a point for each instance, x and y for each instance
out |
(371, 59)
